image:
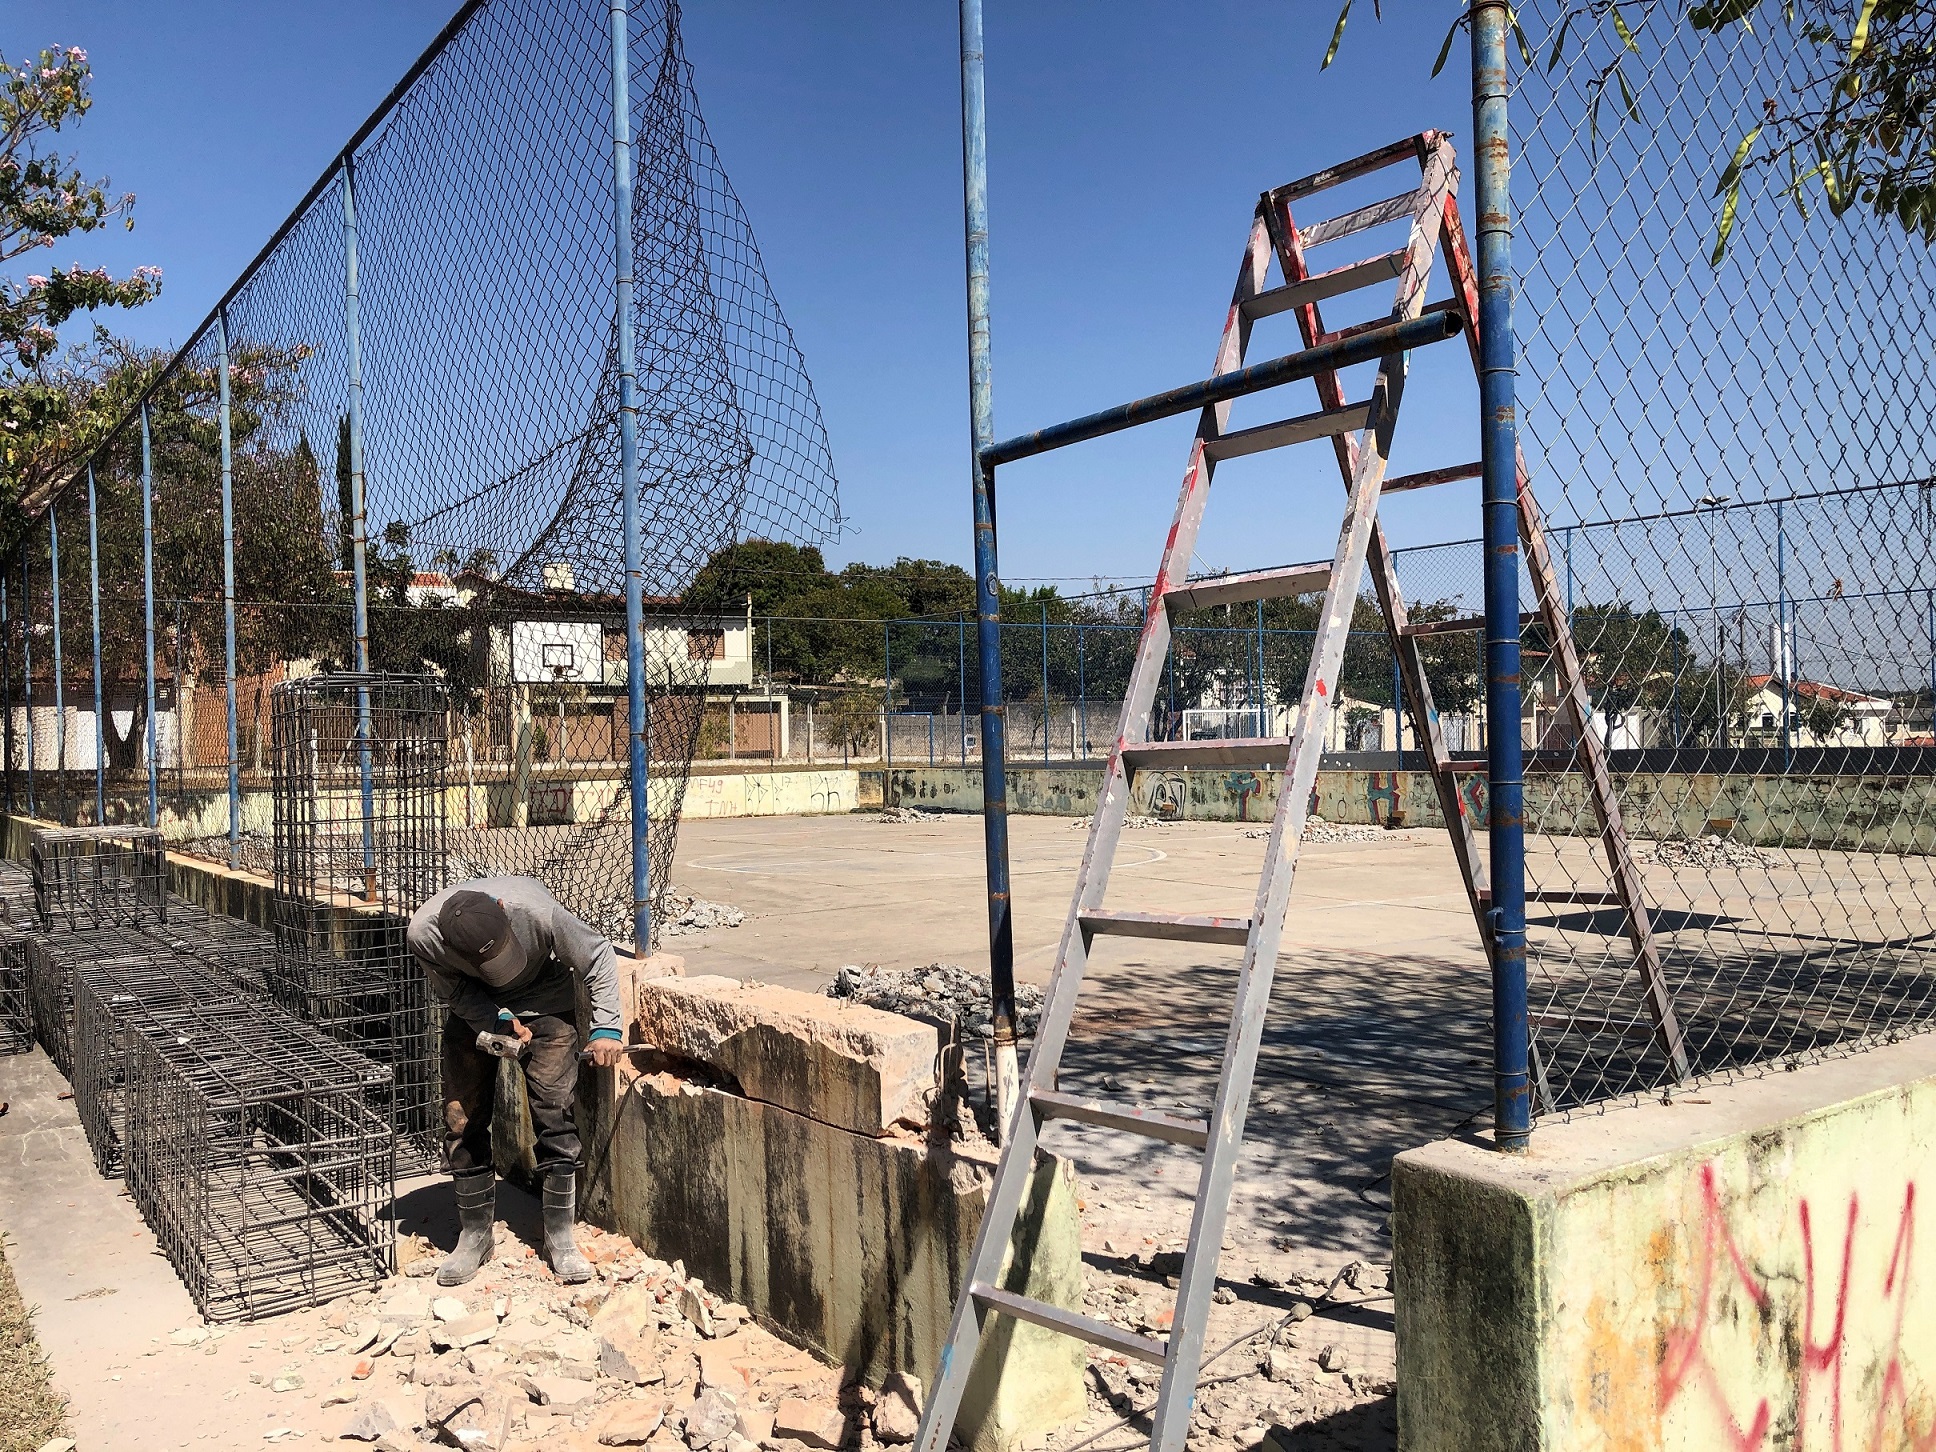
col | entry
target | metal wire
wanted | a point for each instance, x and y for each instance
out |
(489, 446)
(1757, 632)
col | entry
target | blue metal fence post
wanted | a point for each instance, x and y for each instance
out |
(981, 397)
(1082, 692)
(359, 516)
(100, 714)
(228, 585)
(1045, 683)
(961, 674)
(148, 617)
(887, 712)
(60, 685)
(27, 674)
(628, 456)
(1499, 446)
(1781, 661)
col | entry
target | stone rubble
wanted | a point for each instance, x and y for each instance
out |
(1704, 852)
(1316, 829)
(907, 814)
(943, 992)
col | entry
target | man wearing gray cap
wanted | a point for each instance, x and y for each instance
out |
(503, 952)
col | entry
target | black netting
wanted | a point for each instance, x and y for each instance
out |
(482, 213)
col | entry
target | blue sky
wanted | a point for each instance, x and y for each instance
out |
(1127, 145)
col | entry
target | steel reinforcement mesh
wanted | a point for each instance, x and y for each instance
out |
(97, 877)
(261, 1154)
(17, 919)
(1725, 408)
(360, 785)
(483, 420)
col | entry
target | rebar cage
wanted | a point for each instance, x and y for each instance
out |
(17, 916)
(359, 778)
(261, 1154)
(95, 877)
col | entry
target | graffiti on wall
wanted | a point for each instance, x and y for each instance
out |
(1242, 785)
(1166, 796)
(1829, 1368)
(1381, 791)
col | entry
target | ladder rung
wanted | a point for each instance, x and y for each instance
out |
(1069, 1323)
(1426, 478)
(1463, 624)
(1344, 171)
(1178, 927)
(1299, 430)
(1447, 305)
(1275, 584)
(1260, 751)
(1375, 215)
(1321, 285)
(1149, 1123)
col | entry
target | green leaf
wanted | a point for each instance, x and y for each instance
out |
(1859, 39)
(1620, 29)
(1727, 224)
(1525, 50)
(1726, 12)
(1337, 36)
(1559, 42)
(1446, 49)
(1627, 95)
(1731, 175)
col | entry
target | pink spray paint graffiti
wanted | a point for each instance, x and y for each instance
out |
(1816, 1354)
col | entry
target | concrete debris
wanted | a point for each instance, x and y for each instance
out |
(448, 1308)
(373, 1420)
(471, 1330)
(897, 1412)
(1130, 823)
(1705, 852)
(630, 1423)
(817, 1424)
(711, 1419)
(1331, 1358)
(695, 914)
(1316, 829)
(943, 992)
(907, 814)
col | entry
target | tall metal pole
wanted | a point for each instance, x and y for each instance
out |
(228, 582)
(1499, 451)
(1781, 663)
(148, 616)
(981, 412)
(60, 684)
(1082, 694)
(961, 674)
(6, 675)
(27, 674)
(100, 715)
(359, 521)
(628, 463)
(1045, 683)
(887, 710)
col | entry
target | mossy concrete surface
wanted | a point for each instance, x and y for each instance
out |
(1734, 1267)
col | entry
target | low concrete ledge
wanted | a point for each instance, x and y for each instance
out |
(1733, 1270)
(842, 1063)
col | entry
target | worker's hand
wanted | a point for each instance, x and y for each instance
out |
(604, 1052)
(523, 1033)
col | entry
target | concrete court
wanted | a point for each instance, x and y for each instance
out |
(1377, 1038)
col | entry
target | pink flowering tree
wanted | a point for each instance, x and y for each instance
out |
(45, 413)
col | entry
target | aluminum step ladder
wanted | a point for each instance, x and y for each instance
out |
(1361, 434)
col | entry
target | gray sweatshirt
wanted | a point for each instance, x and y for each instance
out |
(556, 945)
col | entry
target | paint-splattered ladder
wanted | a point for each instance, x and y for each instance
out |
(1435, 229)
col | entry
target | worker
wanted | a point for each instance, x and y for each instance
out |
(502, 952)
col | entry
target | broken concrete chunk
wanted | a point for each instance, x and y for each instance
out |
(693, 1307)
(755, 1424)
(711, 1419)
(629, 1356)
(465, 1331)
(815, 1423)
(557, 1391)
(897, 1412)
(448, 1308)
(372, 1420)
(833, 1060)
(630, 1423)
(1332, 1358)
(716, 1368)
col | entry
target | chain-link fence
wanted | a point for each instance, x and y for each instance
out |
(407, 414)
(1724, 337)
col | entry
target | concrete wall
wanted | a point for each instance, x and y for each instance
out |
(1735, 1270)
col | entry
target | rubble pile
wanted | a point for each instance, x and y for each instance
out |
(1316, 829)
(684, 914)
(644, 1355)
(1708, 851)
(1257, 1390)
(1130, 823)
(941, 991)
(907, 814)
